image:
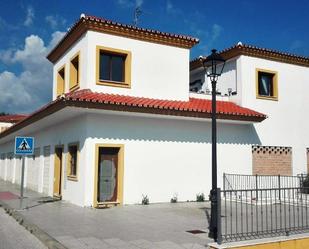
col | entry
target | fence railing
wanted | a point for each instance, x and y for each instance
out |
(267, 206)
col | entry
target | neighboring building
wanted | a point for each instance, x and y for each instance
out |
(7, 121)
(276, 84)
(123, 123)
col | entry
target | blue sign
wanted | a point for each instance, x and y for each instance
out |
(24, 145)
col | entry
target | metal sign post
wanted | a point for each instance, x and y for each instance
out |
(22, 178)
(23, 146)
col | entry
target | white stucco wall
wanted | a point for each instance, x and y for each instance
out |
(57, 134)
(227, 80)
(287, 122)
(162, 156)
(65, 59)
(157, 71)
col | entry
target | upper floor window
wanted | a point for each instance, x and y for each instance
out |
(267, 84)
(113, 67)
(74, 72)
(60, 81)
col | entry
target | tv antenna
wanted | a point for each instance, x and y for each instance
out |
(137, 13)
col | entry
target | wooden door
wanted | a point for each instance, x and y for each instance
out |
(107, 175)
(57, 171)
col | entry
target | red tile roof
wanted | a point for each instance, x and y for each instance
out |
(193, 105)
(12, 118)
(103, 25)
(199, 108)
(254, 51)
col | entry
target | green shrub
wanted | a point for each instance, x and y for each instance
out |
(174, 199)
(145, 200)
(200, 197)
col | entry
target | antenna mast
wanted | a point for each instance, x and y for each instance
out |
(137, 13)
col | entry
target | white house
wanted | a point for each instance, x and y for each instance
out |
(276, 84)
(8, 120)
(123, 122)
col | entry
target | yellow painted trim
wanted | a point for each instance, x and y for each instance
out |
(61, 169)
(120, 173)
(275, 84)
(69, 176)
(60, 81)
(73, 83)
(127, 69)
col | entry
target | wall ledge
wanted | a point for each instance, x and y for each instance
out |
(252, 243)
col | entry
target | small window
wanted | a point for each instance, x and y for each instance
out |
(60, 81)
(113, 67)
(72, 161)
(74, 73)
(267, 84)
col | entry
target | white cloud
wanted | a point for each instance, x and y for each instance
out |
(130, 3)
(171, 9)
(208, 35)
(29, 16)
(215, 31)
(25, 92)
(55, 21)
(125, 3)
(138, 3)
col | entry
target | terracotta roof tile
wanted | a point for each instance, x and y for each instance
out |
(13, 118)
(193, 105)
(85, 98)
(99, 24)
(254, 51)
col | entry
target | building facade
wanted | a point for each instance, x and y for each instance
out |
(123, 123)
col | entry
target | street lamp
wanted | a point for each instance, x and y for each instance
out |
(214, 65)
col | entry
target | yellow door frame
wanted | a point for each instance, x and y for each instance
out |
(120, 173)
(61, 169)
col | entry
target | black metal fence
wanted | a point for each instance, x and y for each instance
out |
(263, 206)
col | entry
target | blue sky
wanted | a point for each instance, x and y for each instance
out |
(29, 29)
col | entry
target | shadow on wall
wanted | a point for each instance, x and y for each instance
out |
(168, 130)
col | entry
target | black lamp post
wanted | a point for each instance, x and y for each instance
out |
(214, 65)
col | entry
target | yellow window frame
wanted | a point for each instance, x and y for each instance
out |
(60, 81)
(74, 73)
(127, 67)
(275, 84)
(69, 156)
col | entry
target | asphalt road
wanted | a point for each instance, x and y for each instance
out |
(14, 236)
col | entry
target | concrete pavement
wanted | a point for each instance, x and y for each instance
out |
(133, 226)
(14, 236)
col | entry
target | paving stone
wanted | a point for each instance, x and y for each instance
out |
(168, 245)
(143, 244)
(95, 243)
(125, 226)
(115, 242)
(14, 236)
(74, 243)
(193, 246)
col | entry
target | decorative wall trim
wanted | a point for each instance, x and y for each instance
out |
(271, 149)
(109, 27)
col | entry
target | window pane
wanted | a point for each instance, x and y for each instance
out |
(105, 66)
(117, 68)
(73, 160)
(265, 84)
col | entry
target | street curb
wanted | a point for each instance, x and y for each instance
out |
(45, 238)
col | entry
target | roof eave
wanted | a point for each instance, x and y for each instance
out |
(63, 102)
(84, 25)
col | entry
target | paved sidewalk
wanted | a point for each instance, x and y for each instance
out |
(132, 226)
(14, 236)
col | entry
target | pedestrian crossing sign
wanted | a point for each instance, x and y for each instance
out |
(24, 145)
